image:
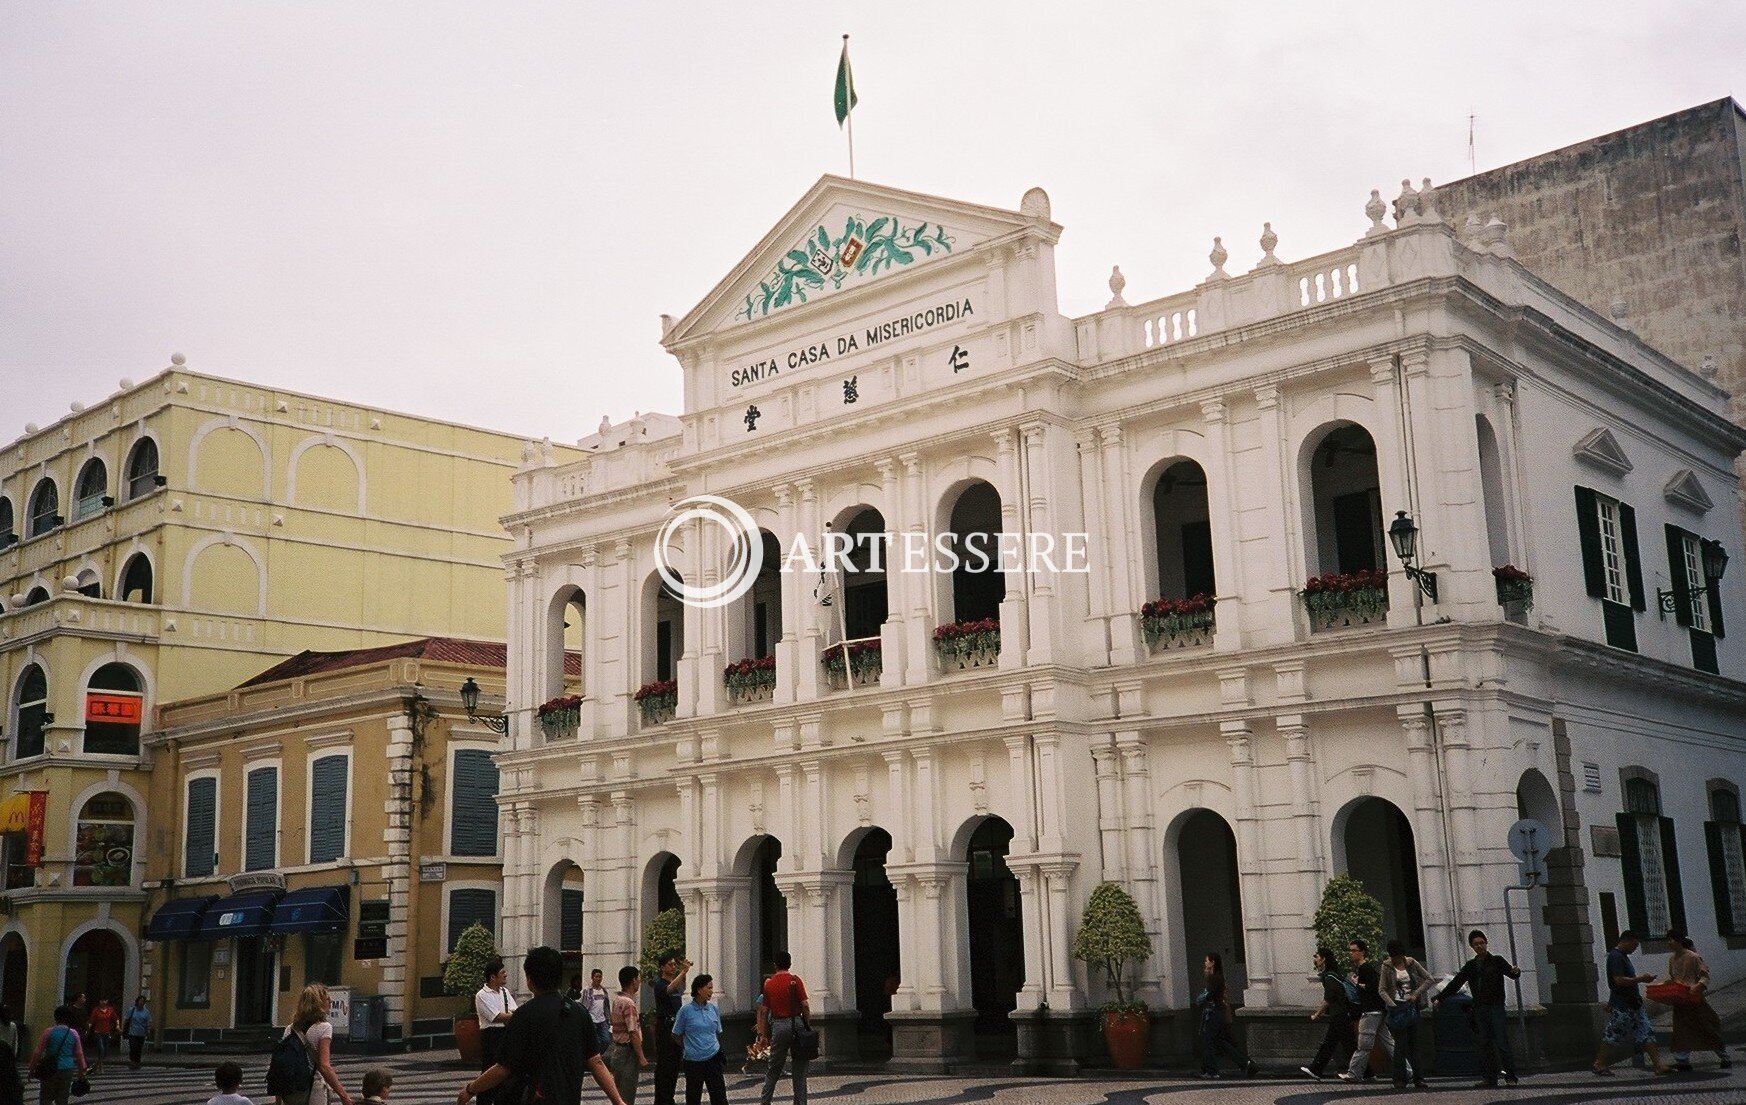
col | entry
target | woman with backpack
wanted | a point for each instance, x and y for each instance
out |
(59, 1054)
(301, 1071)
(1338, 999)
(1215, 1021)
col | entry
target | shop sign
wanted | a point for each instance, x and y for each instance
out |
(112, 709)
(370, 947)
(433, 872)
(27, 812)
(256, 880)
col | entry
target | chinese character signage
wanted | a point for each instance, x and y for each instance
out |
(114, 709)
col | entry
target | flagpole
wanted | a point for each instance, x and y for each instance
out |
(851, 112)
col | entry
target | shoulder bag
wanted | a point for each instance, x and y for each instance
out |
(803, 1038)
(44, 1069)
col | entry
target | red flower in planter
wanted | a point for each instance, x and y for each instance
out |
(1509, 573)
(553, 706)
(660, 688)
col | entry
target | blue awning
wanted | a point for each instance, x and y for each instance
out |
(313, 909)
(178, 918)
(245, 914)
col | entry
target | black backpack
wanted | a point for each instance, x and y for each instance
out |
(550, 1082)
(291, 1071)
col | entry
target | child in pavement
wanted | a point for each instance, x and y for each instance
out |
(228, 1076)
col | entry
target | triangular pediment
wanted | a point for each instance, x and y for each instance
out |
(1685, 490)
(1600, 448)
(844, 235)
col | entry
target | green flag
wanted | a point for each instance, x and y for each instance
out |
(845, 85)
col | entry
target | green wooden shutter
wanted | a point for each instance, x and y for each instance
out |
(198, 860)
(1681, 583)
(473, 794)
(1713, 831)
(263, 819)
(468, 906)
(1633, 561)
(570, 920)
(1714, 597)
(1594, 574)
(1636, 913)
(1670, 865)
(327, 809)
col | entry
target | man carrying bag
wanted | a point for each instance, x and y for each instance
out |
(782, 1021)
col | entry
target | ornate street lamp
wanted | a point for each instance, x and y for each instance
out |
(497, 723)
(1715, 562)
(1404, 536)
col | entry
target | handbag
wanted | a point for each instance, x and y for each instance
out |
(803, 1038)
(45, 1068)
(1402, 1016)
(80, 1086)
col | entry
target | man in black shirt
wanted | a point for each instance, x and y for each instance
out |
(1371, 1028)
(548, 1042)
(669, 990)
(1484, 974)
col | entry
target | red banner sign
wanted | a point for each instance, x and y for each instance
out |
(116, 709)
(27, 813)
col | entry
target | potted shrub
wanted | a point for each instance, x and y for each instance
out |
(751, 679)
(560, 716)
(862, 667)
(968, 644)
(464, 974)
(1110, 934)
(1348, 913)
(1347, 598)
(666, 933)
(1173, 622)
(1514, 585)
(658, 700)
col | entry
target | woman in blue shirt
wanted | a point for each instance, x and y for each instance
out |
(698, 1030)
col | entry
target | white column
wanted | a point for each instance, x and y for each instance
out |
(1014, 613)
(1041, 586)
(919, 657)
(795, 592)
(1144, 857)
(1442, 933)
(892, 635)
(1227, 564)
(1251, 866)
(1120, 536)
(1473, 895)
(1306, 821)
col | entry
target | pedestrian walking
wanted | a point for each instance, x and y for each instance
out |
(596, 1000)
(669, 992)
(101, 1030)
(311, 1028)
(1695, 1026)
(1626, 1021)
(1339, 998)
(495, 1005)
(626, 1058)
(59, 1055)
(785, 1006)
(547, 1045)
(1372, 1031)
(1404, 986)
(1484, 976)
(228, 1079)
(698, 1030)
(136, 1025)
(1216, 1016)
(11, 1086)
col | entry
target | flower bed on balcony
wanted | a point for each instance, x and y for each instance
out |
(1514, 587)
(968, 644)
(751, 680)
(1177, 623)
(658, 700)
(559, 717)
(1346, 599)
(862, 667)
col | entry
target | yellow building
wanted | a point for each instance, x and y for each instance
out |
(332, 820)
(174, 540)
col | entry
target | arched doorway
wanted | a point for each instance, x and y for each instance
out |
(1379, 853)
(769, 911)
(878, 961)
(978, 585)
(97, 968)
(997, 938)
(563, 919)
(1536, 799)
(1212, 901)
(14, 972)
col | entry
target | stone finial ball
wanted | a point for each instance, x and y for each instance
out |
(1035, 204)
(126, 382)
(178, 360)
(31, 427)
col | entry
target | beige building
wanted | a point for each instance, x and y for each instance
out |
(173, 540)
(332, 820)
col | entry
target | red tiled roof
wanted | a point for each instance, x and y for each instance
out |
(446, 650)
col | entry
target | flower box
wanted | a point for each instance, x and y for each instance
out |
(1177, 623)
(962, 645)
(862, 667)
(750, 680)
(657, 701)
(559, 717)
(1347, 599)
(1514, 587)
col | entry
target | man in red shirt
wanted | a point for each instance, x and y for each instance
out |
(101, 1030)
(784, 1000)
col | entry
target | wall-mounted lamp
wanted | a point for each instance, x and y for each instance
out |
(1404, 536)
(497, 723)
(1715, 562)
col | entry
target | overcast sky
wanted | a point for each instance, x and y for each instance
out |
(479, 211)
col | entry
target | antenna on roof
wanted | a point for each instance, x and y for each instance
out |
(1472, 159)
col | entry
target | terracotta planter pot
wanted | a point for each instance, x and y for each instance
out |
(467, 1039)
(1125, 1036)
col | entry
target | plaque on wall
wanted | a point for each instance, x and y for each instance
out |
(1604, 840)
(433, 872)
(370, 947)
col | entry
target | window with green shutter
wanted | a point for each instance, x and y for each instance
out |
(327, 809)
(570, 920)
(260, 851)
(199, 856)
(470, 905)
(1726, 840)
(473, 804)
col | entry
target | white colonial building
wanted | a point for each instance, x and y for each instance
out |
(923, 826)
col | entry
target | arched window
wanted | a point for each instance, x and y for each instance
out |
(1182, 531)
(45, 507)
(114, 709)
(8, 524)
(36, 595)
(91, 490)
(1491, 485)
(665, 640)
(136, 580)
(1653, 898)
(142, 468)
(866, 601)
(978, 584)
(33, 716)
(87, 584)
(566, 637)
(1345, 503)
(1726, 838)
(103, 848)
